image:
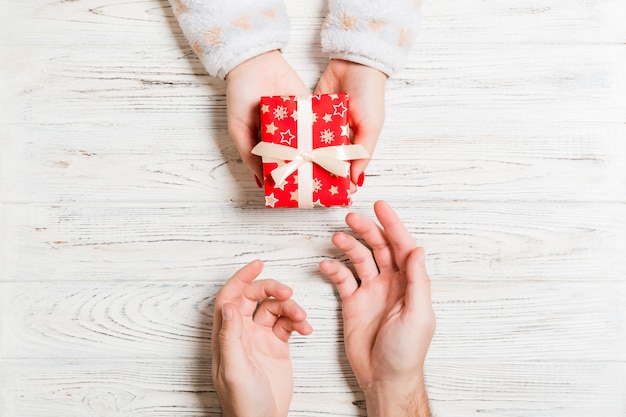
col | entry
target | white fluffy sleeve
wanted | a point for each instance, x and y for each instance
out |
(224, 33)
(377, 33)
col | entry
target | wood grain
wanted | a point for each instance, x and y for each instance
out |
(484, 83)
(452, 161)
(524, 321)
(467, 241)
(124, 206)
(182, 387)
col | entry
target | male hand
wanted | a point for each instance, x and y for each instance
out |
(388, 318)
(267, 74)
(251, 365)
(366, 88)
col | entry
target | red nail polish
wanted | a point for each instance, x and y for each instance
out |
(258, 182)
(360, 180)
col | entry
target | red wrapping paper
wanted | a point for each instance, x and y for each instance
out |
(329, 125)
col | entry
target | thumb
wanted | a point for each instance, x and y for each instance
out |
(245, 138)
(365, 134)
(417, 298)
(232, 353)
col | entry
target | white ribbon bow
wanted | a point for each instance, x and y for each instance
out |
(331, 158)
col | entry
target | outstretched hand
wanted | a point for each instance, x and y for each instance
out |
(388, 317)
(253, 321)
(267, 74)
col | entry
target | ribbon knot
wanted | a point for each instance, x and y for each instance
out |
(331, 158)
(307, 157)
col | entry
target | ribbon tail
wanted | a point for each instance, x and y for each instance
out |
(334, 166)
(280, 174)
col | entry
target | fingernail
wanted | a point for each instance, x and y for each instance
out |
(258, 181)
(227, 312)
(360, 180)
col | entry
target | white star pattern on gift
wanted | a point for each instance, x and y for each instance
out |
(340, 110)
(294, 195)
(271, 128)
(270, 200)
(327, 136)
(317, 185)
(286, 137)
(282, 185)
(281, 121)
(280, 112)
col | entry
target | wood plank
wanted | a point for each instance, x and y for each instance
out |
(559, 388)
(174, 388)
(453, 161)
(465, 241)
(474, 83)
(483, 321)
(495, 21)
(150, 22)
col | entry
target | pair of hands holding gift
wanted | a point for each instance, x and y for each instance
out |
(388, 325)
(269, 74)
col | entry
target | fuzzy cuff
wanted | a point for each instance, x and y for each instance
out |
(226, 33)
(378, 33)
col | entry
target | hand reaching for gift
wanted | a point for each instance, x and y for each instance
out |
(388, 325)
(388, 315)
(252, 370)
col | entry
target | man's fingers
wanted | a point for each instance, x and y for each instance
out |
(261, 290)
(239, 282)
(341, 276)
(232, 353)
(360, 256)
(418, 292)
(398, 236)
(374, 237)
(269, 311)
(285, 326)
(231, 292)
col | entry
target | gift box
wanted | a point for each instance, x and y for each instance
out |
(305, 148)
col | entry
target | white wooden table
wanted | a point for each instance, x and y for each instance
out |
(124, 207)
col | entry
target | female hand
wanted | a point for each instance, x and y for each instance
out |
(267, 74)
(366, 89)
